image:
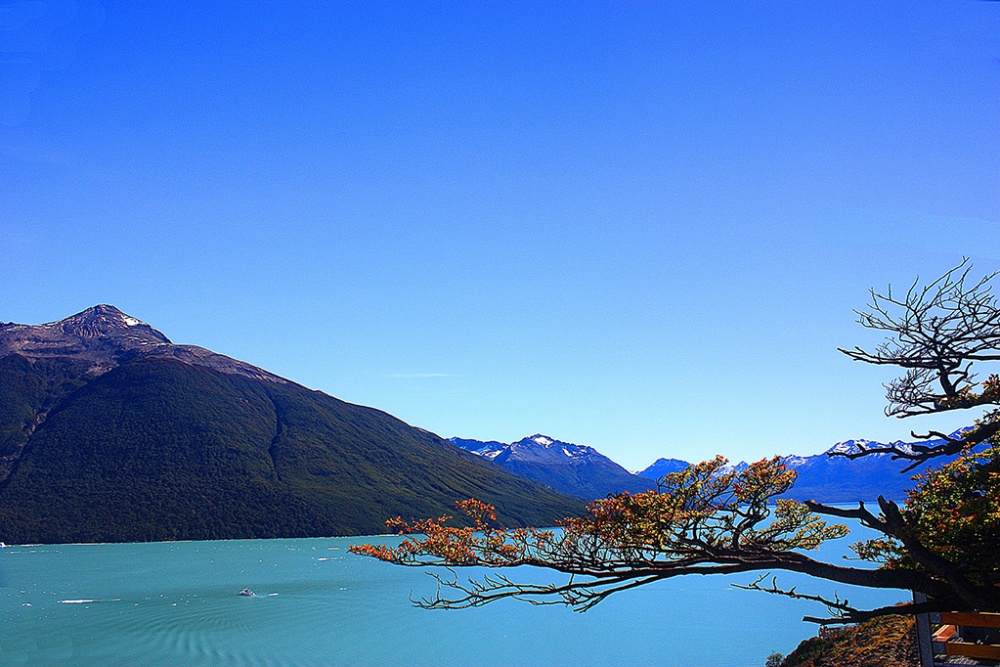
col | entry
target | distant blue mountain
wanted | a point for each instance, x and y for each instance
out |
(584, 472)
(662, 467)
(837, 479)
(577, 470)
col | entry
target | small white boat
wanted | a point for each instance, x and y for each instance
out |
(246, 593)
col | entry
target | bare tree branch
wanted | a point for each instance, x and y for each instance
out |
(939, 326)
(937, 334)
(841, 612)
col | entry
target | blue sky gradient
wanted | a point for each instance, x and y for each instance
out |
(638, 226)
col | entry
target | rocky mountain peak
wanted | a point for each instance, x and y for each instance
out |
(106, 337)
(107, 320)
(102, 335)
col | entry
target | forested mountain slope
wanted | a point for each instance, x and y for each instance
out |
(109, 432)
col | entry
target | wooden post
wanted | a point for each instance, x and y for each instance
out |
(924, 644)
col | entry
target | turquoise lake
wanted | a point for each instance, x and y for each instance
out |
(316, 605)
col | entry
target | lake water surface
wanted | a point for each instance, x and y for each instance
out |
(317, 605)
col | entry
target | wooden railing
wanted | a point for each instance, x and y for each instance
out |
(965, 634)
(969, 635)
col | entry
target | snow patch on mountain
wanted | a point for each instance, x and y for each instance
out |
(795, 461)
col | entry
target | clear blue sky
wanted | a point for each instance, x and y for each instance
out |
(638, 226)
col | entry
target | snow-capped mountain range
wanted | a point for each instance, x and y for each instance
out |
(853, 446)
(582, 471)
